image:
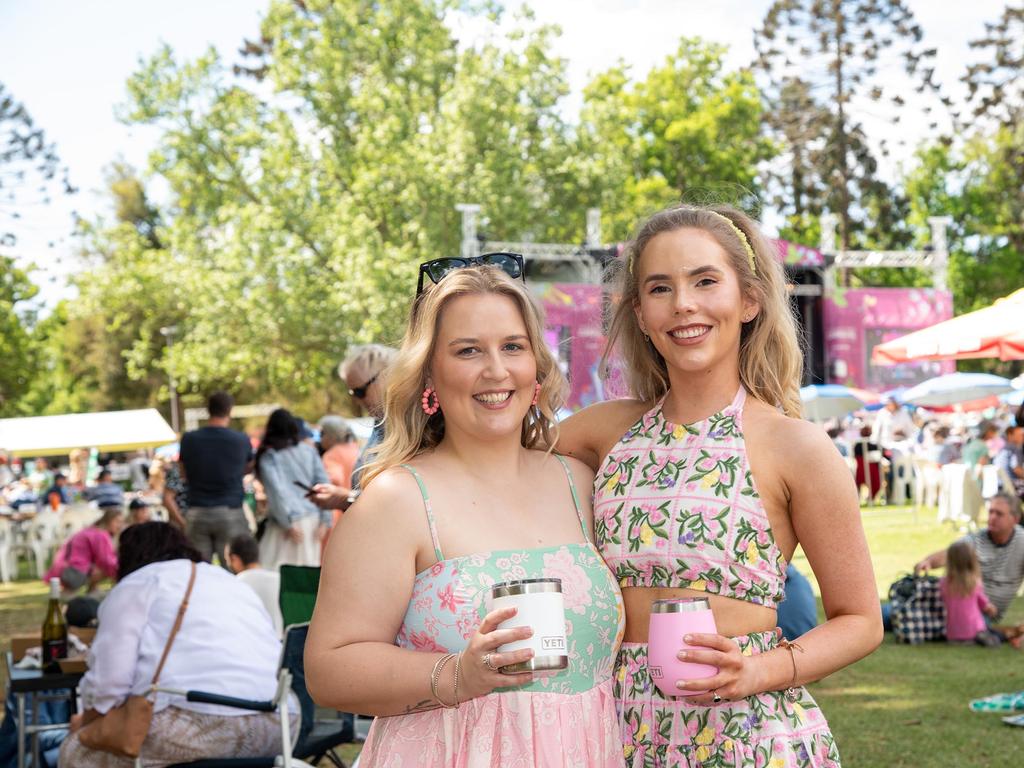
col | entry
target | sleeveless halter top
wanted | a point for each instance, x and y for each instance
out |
(448, 601)
(675, 506)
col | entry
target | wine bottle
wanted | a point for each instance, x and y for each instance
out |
(55, 629)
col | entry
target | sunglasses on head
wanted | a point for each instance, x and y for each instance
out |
(360, 392)
(510, 263)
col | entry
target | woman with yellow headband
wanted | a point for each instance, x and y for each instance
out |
(706, 483)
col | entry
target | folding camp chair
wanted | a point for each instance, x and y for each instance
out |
(316, 740)
(299, 585)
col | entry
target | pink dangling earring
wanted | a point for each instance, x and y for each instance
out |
(536, 393)
(430, 408)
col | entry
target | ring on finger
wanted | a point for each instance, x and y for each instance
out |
(487, 662)
(716, 698)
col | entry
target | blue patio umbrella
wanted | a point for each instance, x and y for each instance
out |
(953, 388)
(1015, 398)
(828, 401)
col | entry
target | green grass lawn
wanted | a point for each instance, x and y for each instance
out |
(907, 705)
(901, 706)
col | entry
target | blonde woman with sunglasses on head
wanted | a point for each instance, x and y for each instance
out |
(457, 499)
(706, 483)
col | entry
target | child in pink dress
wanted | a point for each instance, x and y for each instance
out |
(964, 597)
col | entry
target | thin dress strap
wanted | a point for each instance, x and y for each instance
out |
(575, 497)
(429, 511)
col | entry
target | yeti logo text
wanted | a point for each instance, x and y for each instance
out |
(552, 643)
(655, 672)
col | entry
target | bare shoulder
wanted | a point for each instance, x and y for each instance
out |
(790, 438)
(389, 502)
(582, 475)
(589, 434)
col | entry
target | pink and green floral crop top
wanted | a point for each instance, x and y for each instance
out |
(675, 506)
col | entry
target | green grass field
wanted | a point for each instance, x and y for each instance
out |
(902, 706)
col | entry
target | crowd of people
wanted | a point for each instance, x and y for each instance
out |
(699, 486)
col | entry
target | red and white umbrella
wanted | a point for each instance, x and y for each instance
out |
(996, 331)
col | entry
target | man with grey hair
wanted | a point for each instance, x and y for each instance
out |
(363, 370)
(1000, 551)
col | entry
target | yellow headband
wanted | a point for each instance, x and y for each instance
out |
(739, 233)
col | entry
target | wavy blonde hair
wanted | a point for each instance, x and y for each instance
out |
(409, 430)
(771, 360)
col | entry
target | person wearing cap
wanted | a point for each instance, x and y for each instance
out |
(139, 511)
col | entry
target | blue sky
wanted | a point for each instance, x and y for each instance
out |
(68, 60)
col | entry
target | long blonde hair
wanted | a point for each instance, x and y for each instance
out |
(963, 571)
(409, 430)
(770, 356)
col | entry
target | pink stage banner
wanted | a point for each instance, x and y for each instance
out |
(573, 331)
(858, 319)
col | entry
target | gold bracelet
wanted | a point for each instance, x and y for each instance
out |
(791, 692)
(435, 676)
(458, 667)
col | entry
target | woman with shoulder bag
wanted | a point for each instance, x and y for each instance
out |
(225, 643)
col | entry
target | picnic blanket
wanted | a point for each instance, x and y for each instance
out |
(1000, 702)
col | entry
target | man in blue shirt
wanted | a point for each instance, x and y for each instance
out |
(1011, 459)
(213, 460)
(106, 493)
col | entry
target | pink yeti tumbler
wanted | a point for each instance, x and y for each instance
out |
(670, 621)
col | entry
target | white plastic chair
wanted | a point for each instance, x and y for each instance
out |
(38, 538)
(927, 482)
(7, 561)
(960, 496)
(902, 478)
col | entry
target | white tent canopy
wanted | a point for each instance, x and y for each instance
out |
(108, 431)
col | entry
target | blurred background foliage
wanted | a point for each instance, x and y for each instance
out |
(303, 181)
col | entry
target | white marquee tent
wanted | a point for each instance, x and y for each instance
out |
(108, 431)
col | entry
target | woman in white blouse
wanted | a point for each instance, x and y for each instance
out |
(226, 645)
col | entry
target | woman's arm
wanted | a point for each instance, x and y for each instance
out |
(115, 650)
(318, 476)
(589, 434)
(825, 516)
(352, 662)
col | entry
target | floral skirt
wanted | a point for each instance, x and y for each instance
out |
(761, 731)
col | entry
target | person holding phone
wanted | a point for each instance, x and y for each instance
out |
(288, 469)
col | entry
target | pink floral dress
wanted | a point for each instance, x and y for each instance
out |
(568, 719)
(675, 506)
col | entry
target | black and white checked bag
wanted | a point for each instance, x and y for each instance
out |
(917, 611)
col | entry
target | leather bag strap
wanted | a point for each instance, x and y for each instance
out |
(177, 625)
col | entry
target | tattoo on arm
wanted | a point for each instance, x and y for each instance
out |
(421, 706)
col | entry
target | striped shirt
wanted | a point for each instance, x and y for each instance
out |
(1002, 566)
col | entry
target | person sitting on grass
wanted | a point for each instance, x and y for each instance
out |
(1000, 552)
(964, 598)
(88, 556)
